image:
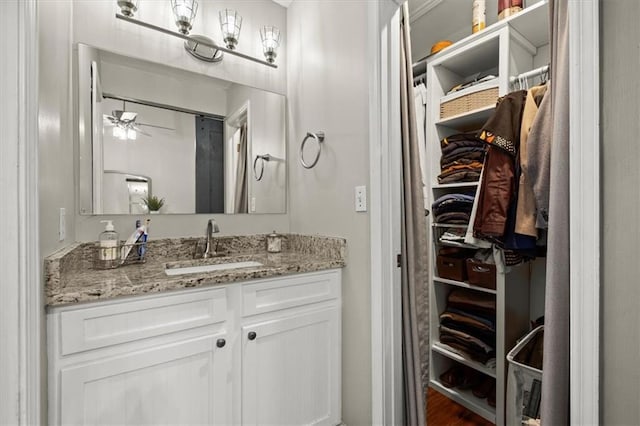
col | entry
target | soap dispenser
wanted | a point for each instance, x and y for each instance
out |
(108, 251)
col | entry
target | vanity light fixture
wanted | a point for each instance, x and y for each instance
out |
(230, 24)
(128, 7)
(184, 12)
(204, 48)
(270, 36)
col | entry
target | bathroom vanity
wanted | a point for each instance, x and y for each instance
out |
(246, 345)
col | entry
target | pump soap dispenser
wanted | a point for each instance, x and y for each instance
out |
(108, 250)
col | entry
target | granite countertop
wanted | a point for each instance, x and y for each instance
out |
(70, 277)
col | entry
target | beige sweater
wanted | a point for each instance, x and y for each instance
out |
(526, 208)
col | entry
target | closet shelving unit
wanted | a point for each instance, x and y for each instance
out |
(508, 47)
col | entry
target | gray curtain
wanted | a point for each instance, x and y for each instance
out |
(414, 247)
(555, 370)
(241, 198)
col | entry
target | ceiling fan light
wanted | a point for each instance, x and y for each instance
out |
(117, 132)
(132, 134)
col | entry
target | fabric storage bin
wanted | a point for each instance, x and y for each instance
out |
(469, 99)
(524, 384)
(481, 274)
(452, 268)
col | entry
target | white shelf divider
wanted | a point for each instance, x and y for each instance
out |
(449, 352)
(467, 399)
(464, 285)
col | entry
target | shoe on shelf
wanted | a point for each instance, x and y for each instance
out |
(491, 398)
(483, 389)
(470, 378)
(452, 377)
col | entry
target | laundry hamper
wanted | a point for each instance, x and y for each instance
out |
(524, 385)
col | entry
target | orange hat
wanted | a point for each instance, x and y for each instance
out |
(440, 45)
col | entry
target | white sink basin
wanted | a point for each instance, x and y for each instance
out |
(209, 268)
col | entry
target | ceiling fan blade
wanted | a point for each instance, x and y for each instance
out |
(153, 125)
(139, 130)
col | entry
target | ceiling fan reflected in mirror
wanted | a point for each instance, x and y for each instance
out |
(125, 126)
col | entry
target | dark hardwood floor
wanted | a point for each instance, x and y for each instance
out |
(441, 411)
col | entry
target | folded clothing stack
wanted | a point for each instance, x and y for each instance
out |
(462, 158)
(468, 324)
(453, 208)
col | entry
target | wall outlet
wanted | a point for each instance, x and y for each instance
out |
(253, 204)
(361, 198)
(62, 228)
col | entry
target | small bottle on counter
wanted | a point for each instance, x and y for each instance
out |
(479, 17)
(507, 8)
(108, 250)
(274, 243)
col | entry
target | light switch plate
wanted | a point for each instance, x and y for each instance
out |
(361, 198)
(62, 228)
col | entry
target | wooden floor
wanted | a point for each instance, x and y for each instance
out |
(441, 411)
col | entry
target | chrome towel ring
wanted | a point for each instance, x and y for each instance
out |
(265, 157)
(319, 136)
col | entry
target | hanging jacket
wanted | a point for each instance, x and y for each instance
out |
(502, 133)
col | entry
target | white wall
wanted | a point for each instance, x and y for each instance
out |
(173, 150)
(56, 155)
(328, 91)
(267, 132)
(122, 76)
(620, 350)
(94, 23)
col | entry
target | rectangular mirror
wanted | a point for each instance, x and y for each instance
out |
(200, 144)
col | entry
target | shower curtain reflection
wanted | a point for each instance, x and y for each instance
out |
(241, 197)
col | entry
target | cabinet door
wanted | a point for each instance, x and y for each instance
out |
(182, 383)
(291, 370)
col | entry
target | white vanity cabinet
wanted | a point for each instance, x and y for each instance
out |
(189, 357)
(291, 358)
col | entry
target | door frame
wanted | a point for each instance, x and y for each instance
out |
(584, 206)
(21, 295)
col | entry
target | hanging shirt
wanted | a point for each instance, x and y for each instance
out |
(539, 159)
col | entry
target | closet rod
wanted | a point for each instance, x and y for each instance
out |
(533, 73)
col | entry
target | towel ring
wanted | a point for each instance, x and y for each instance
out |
(319, 136)
(265, 157)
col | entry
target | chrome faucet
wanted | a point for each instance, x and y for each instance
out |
(212, 227)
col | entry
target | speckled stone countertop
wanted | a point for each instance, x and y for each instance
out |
(70, 276)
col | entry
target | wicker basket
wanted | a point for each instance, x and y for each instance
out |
(469, 102)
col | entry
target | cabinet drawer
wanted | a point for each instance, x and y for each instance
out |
(283, 293)
(99, 326)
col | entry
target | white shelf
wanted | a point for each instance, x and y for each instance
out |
(449, 352)
(464, 285)
(455, 185)
(532, 23)
(467, 399)
(469, 120)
